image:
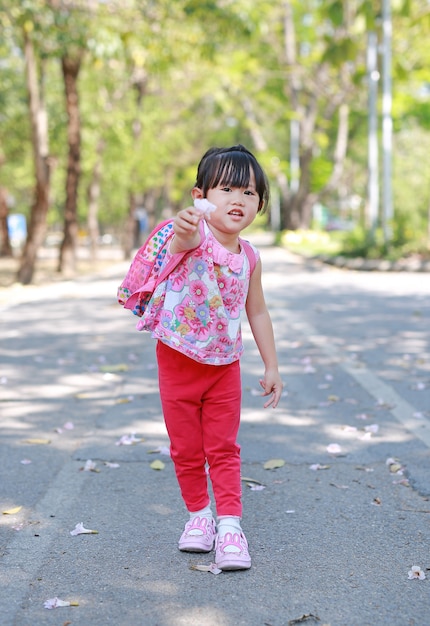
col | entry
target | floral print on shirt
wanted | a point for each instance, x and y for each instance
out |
(197, 310)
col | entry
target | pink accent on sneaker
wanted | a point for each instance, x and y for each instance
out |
(200, 541)
(231, 552)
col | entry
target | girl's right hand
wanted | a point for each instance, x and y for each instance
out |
(186, 221)
(186, 229)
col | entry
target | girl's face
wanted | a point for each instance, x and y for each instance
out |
(236, 208)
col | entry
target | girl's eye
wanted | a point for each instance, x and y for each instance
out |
(226, 189)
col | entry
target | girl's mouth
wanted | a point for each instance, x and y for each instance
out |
(236, 213)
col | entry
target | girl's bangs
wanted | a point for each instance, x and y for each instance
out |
(232, 172)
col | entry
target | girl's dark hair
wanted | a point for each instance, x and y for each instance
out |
(232, 167)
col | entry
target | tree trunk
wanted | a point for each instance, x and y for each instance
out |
(39, 135)
(67, 262)
(5, 245)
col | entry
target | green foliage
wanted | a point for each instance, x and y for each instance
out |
(359, 243)
(212, 73)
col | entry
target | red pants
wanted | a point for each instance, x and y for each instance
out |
(201, 406)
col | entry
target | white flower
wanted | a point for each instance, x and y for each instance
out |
(204, 206)
(80, 530)
(416, 572)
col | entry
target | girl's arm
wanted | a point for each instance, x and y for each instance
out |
(262, 329)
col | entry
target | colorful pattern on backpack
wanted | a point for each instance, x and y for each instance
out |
(144, 273)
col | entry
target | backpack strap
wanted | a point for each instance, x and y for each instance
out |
(250, 253)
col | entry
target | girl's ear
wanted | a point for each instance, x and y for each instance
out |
(196, 193)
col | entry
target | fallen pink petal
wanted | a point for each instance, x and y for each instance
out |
(69, 426)
(334, 448)
(212, 568)
(111, 465)
(404, 481)
(317, 466)
(90, 466)
(128, 440)
(394, 466)
(160, 450)
(81, 530)
(55, 603)
(391, 461)
(26, 461)
(416, 572)
(254, 487)
(373, 428)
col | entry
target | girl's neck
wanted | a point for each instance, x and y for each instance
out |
(230, 241)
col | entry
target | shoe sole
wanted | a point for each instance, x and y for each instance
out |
(191, 548)
(229, 566)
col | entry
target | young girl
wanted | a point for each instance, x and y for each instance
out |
(199, 346)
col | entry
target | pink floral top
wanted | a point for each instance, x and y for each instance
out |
(197, 310)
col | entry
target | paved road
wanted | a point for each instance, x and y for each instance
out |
(333, 544)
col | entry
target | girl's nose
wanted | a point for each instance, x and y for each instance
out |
(237, 197)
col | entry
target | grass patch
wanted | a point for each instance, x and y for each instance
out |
(353, 244)
(311, 242)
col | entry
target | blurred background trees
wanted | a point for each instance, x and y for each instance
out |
(107, 106)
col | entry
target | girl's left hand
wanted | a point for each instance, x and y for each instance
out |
(272, 385)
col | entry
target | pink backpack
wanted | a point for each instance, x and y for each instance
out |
(147, 272)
